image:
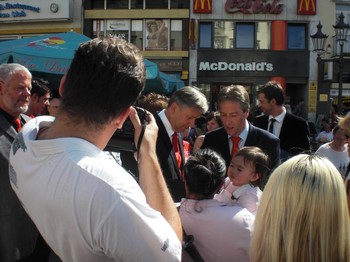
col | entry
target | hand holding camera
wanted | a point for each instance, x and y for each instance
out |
(128, 137)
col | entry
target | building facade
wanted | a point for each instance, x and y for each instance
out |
(252, 42)
(159, 28)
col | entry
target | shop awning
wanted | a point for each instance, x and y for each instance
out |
(50, 53)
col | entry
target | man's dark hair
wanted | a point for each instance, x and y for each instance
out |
(204, 172)
(105, 77)
(235, 93)
(273, 89)
(40, 87)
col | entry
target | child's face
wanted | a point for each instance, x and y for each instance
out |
(240, 173)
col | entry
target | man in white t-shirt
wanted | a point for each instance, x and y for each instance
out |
(86, 206)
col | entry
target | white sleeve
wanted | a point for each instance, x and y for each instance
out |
(133, 231)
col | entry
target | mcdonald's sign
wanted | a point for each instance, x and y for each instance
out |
(306, 7)
(202, 6)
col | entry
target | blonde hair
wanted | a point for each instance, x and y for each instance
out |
(344, 123)
(303, 214)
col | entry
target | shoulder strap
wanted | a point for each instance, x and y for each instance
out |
(190, 247)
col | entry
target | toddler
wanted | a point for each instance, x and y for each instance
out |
(247, 175)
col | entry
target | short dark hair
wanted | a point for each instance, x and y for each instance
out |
(204, 172)
(40, 87)
(215, 116)
(236, 93)
(273, 90)
(105, 77)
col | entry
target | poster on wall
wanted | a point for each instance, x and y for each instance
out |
(157, 34)
(306, 7)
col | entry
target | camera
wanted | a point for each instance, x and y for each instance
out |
(123, 139)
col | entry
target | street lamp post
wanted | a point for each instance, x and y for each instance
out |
(319, 42)
(341, 33)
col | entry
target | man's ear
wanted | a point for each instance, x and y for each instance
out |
(119, 121)
(61, 87)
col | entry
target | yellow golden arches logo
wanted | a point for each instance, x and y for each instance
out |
(202, 5)
(306, 4)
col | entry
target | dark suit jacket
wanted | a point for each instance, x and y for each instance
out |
(218, 140)
(294, 136)
(17, 231)
(168, 163)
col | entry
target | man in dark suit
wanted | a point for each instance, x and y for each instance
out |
(184, 107)
(233, 104)
(293, 131)
(18, 233)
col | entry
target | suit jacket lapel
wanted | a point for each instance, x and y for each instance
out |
(163, 135)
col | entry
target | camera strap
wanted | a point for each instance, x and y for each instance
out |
(143, 128)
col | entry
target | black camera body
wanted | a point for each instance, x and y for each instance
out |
(123, 139)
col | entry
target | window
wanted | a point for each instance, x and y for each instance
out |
(98, 4)
(245, 35)
(98, 28)
(263, 35)
(136, 4)
(156, 4)
(176, 35)
(296, 36)
(137, 33)
(117, 4)
(205, 35)
(223, 34)
(150, 34)
(229, 35)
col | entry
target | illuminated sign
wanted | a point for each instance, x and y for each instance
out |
(306, 7)
(246, 67)
(202, 6)
(254, 7)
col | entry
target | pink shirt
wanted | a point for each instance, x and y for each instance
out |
(221, 232)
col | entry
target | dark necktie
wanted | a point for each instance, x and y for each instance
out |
(235, 147)
(18, 124)
(272, 120)
(175, 141)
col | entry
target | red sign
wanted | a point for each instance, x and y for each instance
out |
(254, 7)
(306, 7)
(202, 6)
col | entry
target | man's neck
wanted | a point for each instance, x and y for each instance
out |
(277, 111)
(63, 127)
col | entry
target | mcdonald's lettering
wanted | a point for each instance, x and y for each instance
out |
(306, 7)
(202, 6)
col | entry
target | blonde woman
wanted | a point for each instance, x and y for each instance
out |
(303, 214)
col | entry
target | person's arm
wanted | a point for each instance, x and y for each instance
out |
(152, 181)
(198, 143)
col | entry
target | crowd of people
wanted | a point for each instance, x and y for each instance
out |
(197, 186)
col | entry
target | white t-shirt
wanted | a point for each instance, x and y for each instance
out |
(86, 206)
(339, 159)
(221, 232)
